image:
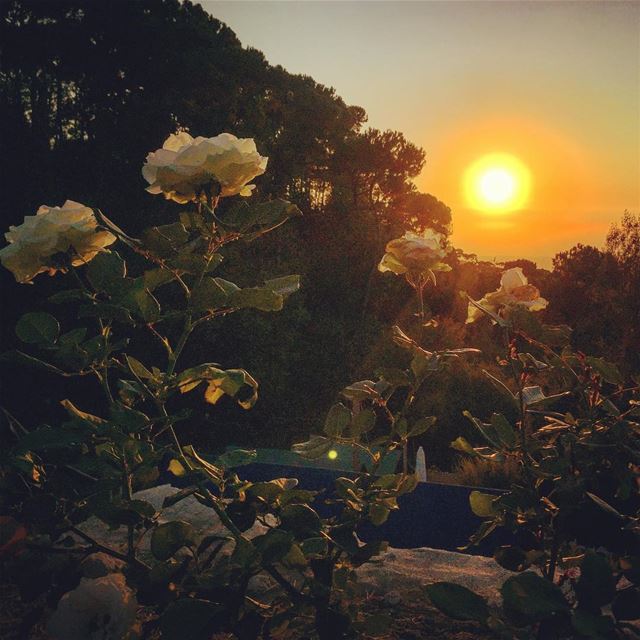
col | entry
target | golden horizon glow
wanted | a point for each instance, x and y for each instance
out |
(497, 183)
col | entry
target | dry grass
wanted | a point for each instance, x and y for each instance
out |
(476, 472)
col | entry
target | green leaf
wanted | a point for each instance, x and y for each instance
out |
(145, 476)
(129, 420)
(106, 272)
(274, 545)
(242, 514)
(138, 369)
(482, 504)
(556, 335)
(118, 512)
(155, 278)
(75, 336)
(301, 519)
(511, 557)
(605, 506)
(597, 585)
(534, 396)
(496, 318)
(607, 370)
(46, 438)
(362, 422)
(283, 286)
(395, 377)
(195, 263)
(106, 311)
(458, 602)
(70, 295)
(236, 458)
(338, 419)
(139, 300)
(528, 598)
(503, 430)
(84, 417)
(498, 433)
(421, 425)
(165, 240)
(401, 427)
(378, 513)
(227, 286)
(170, 537)
(591, 625)
(313, 448)
(461, 444)
(236, 383)
(37, 328)
(361, 390)
(196, 460)
(18, 357)
(295, 559)
(257, 298)
(253, 219)
(210, 295)
(245, 555)
(314, 547)
(626, 605)
(189, 619)
(176, 468)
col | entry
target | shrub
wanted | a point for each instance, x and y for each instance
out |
(574, 510)
(163, 287)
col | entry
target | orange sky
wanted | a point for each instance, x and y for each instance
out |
(556, 84)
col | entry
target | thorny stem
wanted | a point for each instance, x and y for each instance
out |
(104, 332)
(224, 518)
(110, 552)
(127, 495)
(551, 571)
(518, 383)
(182, 341)
(420, 292)
(285, 584)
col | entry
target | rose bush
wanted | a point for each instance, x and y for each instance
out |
(514, 290)
(573, 511)
(52, 240)
(184, 166)
(58, 478)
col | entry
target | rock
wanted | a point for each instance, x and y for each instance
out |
(100, 609)
(100, 564)
(397, 571)
(403, 570)
(202, 518)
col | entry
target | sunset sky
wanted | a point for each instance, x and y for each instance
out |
(556, 85)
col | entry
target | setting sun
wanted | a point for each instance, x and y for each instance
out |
(497, 183)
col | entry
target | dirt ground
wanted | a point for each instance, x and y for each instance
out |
(411, 621)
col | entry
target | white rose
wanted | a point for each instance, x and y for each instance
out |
(100, 609)
(71, 229)
(185, 165)
(415, 253)
(514, 290)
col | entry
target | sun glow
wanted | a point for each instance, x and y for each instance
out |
(497, 183)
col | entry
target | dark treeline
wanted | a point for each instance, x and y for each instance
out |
(87, 89)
